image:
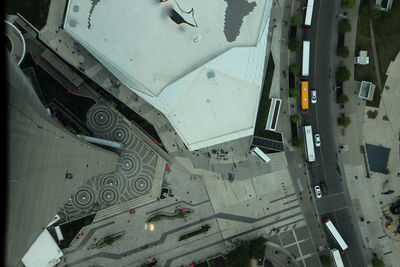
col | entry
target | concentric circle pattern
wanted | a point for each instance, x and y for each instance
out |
(108, 195)
(101, 120)
(140, 185)
(84, 198)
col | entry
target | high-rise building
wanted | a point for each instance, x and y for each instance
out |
(46, 165)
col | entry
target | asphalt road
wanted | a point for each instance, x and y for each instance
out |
(337, 205)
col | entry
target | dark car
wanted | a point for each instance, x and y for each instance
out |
(324, 188)
(395, 209)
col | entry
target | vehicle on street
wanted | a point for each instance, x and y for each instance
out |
(324, 188)
(313, 96)
(337, 258)
(318, 191)
(309, 143)
(317, 140)
(335, 234)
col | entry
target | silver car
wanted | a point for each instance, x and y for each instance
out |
(317, 140)
(313, 96)
(318, 191)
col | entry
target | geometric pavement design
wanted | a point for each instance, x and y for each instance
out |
(135, 172)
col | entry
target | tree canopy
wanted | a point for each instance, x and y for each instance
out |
(294, 44)
(342, 74)
(294, 93)
(296, 20)
(344, 26)
(349, 4)
(343, 51)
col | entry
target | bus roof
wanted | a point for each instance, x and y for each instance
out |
(306, 58)
(304, 95)
(310, 6)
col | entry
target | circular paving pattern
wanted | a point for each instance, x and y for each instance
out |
(122, 134)
(84, 198)
(131, 165)
(108, 195)
(101, 119)
(115, 179)
(140, 185)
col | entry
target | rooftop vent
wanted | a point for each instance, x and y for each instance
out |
(72, 23)
(210, 75)
(75, 8)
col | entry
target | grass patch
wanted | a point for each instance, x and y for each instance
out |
(34, 11)
(363, 42)
(72, 228)
(387, 37)
(51, 89)
(203, 229)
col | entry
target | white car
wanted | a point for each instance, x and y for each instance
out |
(313, 96)
(318, 191)
(317, 140)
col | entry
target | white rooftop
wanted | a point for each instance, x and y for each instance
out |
(44, 252)
(217, 55)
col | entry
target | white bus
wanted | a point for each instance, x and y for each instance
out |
(337, 259)
(306, 59)
(309, 143)
(309, 11)
(256, 151)
(334, 232)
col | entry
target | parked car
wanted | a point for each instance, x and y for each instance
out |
(318, 191)
(395, 209)
(313, 96)
(317, 138)
(323, 187)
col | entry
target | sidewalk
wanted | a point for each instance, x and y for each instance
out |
(365, 193)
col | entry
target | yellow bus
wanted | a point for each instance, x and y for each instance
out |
(304, 97)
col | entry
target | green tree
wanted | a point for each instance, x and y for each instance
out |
(295, 118)
(240, 256)
(343, 99)
(342, 74)
(257, 247)
(349, 4)
(326, 261)
(377, 262)
(296, 20)
(297, 142)
(343, 51)
(344, 121)
(344, 26)
(294, 93)
(294, 44)
(294, 68)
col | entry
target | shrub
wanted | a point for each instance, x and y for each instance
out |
(343, 99)
(295, 118)
(349, 4)
(294, 44)
(342, 74)
(343, 51)
(297, 142)
(326, 261)
(296, 20)
(344, 121)
(294, 93)
(294, 68)
(344, 26)
(378, 263)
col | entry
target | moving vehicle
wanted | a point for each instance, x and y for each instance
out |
(324, 188)
(337, 259)
(304, 97)
(335, 234)
(317, 190)
(309, 11)
(309, 143)
(317, 140)
(306, 59)
(313, 96)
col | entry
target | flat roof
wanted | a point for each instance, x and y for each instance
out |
(44, 252)
(204, 75)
